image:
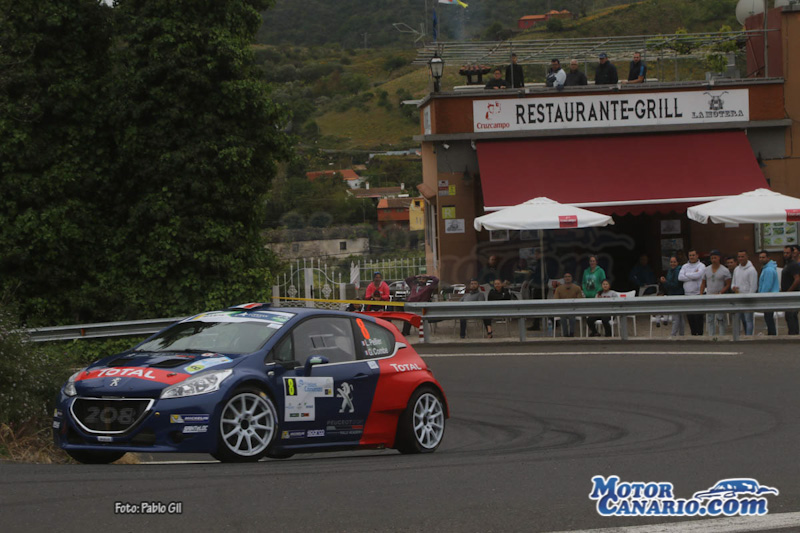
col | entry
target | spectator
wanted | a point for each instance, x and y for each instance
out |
(642, 275)
(691, 275)
(745, 281)
(592, 278)
(491, 271)
(565, 291)
(730, 262)
(790, 282)
(673, 287)
(556, 75)
(768, 282)
(716, 280)
(498, 292)
(420, 289)
(575, 76)
(606, 73)
(638, 70)
(497, 82)
(474, 294)
(514, 75)
(521, 272)
(605, 292)
(378, 290)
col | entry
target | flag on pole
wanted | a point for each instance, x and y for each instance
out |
(435, 25)
(453, 3)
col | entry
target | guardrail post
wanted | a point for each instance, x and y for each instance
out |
(623, 327)
(422, 327)
(736, 326)
(522, 333)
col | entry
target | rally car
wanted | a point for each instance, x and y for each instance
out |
(253, 381)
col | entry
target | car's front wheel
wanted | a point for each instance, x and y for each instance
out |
(421, 426)
(95, 458)
(248, 424)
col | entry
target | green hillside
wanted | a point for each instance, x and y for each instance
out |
(345, 99)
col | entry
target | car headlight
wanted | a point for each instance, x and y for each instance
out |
(69, 387)
(199, 384)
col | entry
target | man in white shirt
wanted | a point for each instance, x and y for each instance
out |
(716, 280)
(556, 75)
(691, 275)
(745, 281)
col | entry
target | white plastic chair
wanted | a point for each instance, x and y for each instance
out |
(615, 319)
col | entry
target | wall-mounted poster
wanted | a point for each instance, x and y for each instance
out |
(448, 212)
(669, 247)
(454, 225)
(774, 236)
(671, 227)
(498, 235)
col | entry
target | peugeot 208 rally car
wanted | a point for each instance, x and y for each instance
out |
(254, 381)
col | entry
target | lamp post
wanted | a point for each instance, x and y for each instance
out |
(437, 68)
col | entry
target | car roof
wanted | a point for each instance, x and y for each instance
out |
(301, 312)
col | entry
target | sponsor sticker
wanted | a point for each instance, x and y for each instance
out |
(196, 367)
(104, 439)
(300, 395)
(148, 374)
(316, 433)
(405, 368)
(56, 424)
(57, 413)
(293, 434)
(189, 419)
(728, 497)
(373, 365)
(195, 429)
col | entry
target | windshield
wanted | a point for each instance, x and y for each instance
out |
(229, 334)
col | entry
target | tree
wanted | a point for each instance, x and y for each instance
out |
(55, 150)
(137, 144)
(197, 136)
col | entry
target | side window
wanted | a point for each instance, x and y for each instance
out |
(376, 340)
(282, 353)
(328, 337)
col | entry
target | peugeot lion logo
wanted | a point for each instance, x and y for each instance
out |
(115, 382)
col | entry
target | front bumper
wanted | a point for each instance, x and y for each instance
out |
(188, 425)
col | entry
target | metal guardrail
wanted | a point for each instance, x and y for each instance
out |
(431, 311)
(646, 305)
(131, 328)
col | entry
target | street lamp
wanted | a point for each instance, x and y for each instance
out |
(437, 69)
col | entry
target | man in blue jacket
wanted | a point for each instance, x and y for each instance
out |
(768, 282)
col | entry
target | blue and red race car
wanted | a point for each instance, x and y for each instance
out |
(253, 381)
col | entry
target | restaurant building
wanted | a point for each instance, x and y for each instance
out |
(642, 153)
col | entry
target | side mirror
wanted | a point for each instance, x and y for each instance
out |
(312, 361)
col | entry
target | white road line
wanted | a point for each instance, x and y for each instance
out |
(502, 354)
(710, 525)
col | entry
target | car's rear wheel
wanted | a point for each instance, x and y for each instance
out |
(421, 426)
(95, 458)
(248, 424)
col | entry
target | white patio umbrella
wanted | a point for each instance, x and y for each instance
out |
(755, 207)
(541, 214)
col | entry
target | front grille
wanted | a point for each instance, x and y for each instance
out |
(109, 415)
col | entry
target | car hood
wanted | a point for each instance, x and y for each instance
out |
(145, 374)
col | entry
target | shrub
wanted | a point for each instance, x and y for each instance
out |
(29, 376)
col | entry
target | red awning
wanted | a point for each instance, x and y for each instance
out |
(619, 174)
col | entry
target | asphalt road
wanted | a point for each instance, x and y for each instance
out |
(527, 434)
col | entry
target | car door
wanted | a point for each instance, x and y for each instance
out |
(331, 404)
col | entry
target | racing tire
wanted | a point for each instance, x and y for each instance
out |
(248, 424)
(421, 426)
(88, 457)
